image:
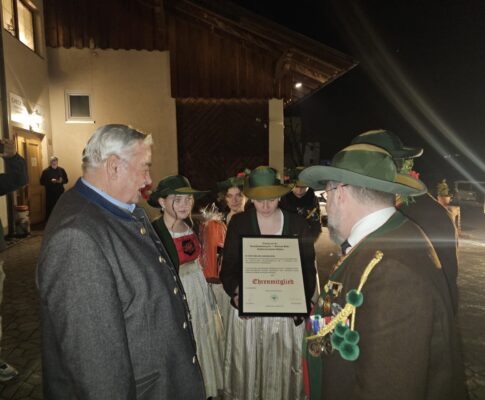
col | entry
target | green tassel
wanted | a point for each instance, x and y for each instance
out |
(337, 341)
(349, 352)
(354, 298)
(340, 330)
(352, 337)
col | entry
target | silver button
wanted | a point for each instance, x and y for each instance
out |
(184, 325)
(143, 230)
(194, 359)
(161, 259)
(183, 297)
(175, 290)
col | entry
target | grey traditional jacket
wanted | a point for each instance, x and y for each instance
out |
(115, 321)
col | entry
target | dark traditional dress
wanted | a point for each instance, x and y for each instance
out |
(263, 354)
(307, 206)
(53, 190)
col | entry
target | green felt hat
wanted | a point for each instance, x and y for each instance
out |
(233, 181)
(366, 166)
(264, 183)
(293, 176)
(390, 142)
(174, 184)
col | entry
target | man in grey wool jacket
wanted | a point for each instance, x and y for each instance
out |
(115, 321)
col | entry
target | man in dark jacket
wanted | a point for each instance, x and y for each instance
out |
(425, 211)
(115, 320)
(303, 201)
(390, 331)
(53, 178)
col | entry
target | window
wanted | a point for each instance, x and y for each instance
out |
(8, 16)
(78, 108)
(26, 25)
(18, 19)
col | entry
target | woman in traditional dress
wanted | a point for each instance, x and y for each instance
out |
(263, 354)
(175, 197)
(214, 233)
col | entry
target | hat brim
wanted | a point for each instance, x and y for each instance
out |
(227, 184)
(407, 152)
(267, 192)
(318, 175)
(154, 196)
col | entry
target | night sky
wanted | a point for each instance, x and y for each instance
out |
(421, 75)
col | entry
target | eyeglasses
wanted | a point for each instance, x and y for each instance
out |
(324, 193)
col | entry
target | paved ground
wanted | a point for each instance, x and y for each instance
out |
(20, 312)
(21, 340)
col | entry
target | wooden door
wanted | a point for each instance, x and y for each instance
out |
(29, 147)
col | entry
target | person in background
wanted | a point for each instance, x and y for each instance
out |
(53, 178)
(115, 319)
(232, 196)
(14, 178)
(389, 330)
(263, 354)
(434, 219)
(302, 201)
(214, 231)
(175, 197)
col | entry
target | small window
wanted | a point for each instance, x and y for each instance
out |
(78, 108)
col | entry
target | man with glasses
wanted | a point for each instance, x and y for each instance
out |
(386, 328)
(425, 211)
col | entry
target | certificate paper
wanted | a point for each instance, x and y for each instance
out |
(272, 277)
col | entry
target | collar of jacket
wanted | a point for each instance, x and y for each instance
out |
(254, 222)
(396, 220)
(100, 201)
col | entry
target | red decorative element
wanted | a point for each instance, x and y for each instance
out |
(240, 174)
(146, 191)
(414, 174)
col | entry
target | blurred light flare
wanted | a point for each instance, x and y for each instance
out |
(401, 92)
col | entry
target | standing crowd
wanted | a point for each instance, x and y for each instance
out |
(139, 309)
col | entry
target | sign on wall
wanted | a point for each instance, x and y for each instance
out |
(21, 116)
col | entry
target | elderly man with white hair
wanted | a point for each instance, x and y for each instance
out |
(115, 319)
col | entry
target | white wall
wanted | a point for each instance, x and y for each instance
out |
(127, 87)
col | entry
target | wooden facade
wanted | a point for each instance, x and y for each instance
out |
(218, 50)
(226, 63)
(219, 138)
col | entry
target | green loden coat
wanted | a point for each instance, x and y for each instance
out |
(409, 346)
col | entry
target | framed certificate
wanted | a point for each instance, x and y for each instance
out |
(271, 281)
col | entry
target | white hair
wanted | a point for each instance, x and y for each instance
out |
(369, 196)
(110, 140)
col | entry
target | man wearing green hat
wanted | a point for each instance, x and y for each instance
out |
(425, 211)
(302, 201)
(385, 325)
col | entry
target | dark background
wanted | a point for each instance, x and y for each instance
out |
(421, 75)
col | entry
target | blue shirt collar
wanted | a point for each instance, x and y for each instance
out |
(112, 200)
